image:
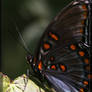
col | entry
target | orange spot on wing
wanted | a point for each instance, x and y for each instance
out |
(81, 30)
(86, 61)
(40, 65)
(85, 82)
(89, 76)
(88, 68)
(85, 15)
(84, 7)
(81, 90)
(53, 67)
(82, 22)
(63, 68)
(73, 47)
(81, 53)
(46, 46)
(53, 36)
(52, 58)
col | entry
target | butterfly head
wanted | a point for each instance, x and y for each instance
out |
(29, 59)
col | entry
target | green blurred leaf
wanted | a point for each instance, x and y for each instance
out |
(4, 82)
(20, 84)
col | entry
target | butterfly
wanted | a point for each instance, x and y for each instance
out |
(62, 56)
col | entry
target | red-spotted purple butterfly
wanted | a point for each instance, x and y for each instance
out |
(62, 57)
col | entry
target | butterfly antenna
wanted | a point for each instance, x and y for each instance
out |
(22, 40)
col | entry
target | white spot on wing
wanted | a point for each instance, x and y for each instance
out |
(42, 52)
(75, 3)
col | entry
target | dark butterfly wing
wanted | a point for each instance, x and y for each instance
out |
(59, 55)
(68, 69)
(69, 26)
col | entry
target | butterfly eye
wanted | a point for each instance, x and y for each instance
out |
(29, 58)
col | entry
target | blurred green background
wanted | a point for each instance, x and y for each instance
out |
(31, 17)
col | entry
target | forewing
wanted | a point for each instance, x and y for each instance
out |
(69, 26)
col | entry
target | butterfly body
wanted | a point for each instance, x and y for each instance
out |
(62, 56)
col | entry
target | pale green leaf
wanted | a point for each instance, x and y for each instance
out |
(20, 84)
